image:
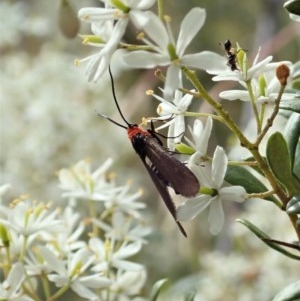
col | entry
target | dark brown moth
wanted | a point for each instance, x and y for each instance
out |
(163, 167)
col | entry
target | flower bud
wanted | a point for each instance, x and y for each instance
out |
(282, 73)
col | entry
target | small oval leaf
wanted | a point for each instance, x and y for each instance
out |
(278, 159)
(292, 133)
(291, 105)
(296, 168)
(266, 239)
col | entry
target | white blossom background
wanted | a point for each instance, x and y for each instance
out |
(48, 121)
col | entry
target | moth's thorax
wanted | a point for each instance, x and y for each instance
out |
(134, 130)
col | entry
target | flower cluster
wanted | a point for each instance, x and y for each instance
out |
(41, 244)
(160, 48)
(88, 242)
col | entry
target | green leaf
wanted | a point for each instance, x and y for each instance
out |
(237, 175)
(278, 159)
(291, 105)
(293, 7)
(264, 238)
(156, 289)
(296, 168)
(291, 134)
(289, 293)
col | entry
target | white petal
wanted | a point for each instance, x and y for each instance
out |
(202, 142)
(189, 27)
(201, 170)
(92, 14)
(127, 265)
(102, 169)
(197, 129)
(95, 281)
(215, 216)
(58, 280)
(155, 29)
(235, 95)
(139, 19)
(14, 279)
(219, 166)
(259, 67)
(233, 193)
(130, 282)
(205, 60)
(145, 59)
(83, 291)
(179, 128)
(192, 207)
(167, 108)
(96, 73)
(129, 250)
(185, 102)
(171, 133)
(172, 81)
(234, 76)
(53, 262)
(141, 4)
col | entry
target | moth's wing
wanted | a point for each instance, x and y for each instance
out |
(161, 186)
(178, 176)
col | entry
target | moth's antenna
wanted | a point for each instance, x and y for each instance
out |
(114, 96)
(113, 121)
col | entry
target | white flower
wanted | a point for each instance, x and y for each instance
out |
(80, 183)
(99, 62)
(200, 136)
(69, 239)
(30, 218)
(121, 200)
(211, 181)
(174, 110)
(106, 255)
(128, 283)
(167, 53)
(73, 272)
(265, 87)
(10, 287)
(244, 73)
(123, 228)
(109, 25)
